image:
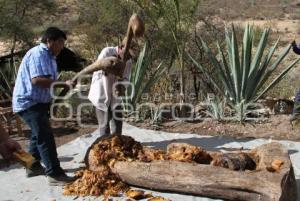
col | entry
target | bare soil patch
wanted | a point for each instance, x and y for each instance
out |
(276, 127)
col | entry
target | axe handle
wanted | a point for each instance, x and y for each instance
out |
(129, 36)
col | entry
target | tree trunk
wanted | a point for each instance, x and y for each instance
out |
(217, 182)
(182, 89)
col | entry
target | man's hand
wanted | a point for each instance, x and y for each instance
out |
(121, 54)
(7, 148)
(70, 83)
(118, 68)
(120, 90)
(113, 65)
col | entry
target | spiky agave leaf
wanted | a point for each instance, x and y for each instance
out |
(137, 79)
(242, 76)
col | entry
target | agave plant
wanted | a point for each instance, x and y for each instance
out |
(242, 73)
(140, 84)
(215, 108)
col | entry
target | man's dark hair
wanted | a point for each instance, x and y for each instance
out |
(53, 33)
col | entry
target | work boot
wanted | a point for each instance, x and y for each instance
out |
(59, 180)
(35, 170)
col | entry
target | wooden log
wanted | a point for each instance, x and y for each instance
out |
(217, 182)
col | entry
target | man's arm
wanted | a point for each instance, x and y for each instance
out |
(46, 82)
(43, 82)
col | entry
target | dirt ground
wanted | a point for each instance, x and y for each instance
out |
(276, 127)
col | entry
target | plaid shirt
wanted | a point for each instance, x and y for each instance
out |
(37, 62)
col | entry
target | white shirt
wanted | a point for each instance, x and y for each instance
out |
(101, 90)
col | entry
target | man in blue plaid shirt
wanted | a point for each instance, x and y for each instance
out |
(31, 100)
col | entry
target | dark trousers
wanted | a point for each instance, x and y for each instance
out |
(42, 144)
(111, 116)
(296, 109)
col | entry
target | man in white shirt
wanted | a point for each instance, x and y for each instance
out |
(103, 94)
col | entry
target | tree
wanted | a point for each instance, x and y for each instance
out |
(19, 20)
(19, 23)
(170, 28)
(103, 22)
